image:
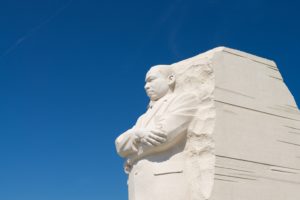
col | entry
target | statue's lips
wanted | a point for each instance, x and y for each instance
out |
(150, 92)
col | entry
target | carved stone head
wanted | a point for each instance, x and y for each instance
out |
(160, 80)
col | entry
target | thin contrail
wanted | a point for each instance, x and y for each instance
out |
(35, 29)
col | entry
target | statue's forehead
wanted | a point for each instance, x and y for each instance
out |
(153, 72)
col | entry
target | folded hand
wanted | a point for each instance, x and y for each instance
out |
(154, 138)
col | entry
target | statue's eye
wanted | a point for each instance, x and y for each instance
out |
(150, 79)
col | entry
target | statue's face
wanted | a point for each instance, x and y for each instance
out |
(157, 85)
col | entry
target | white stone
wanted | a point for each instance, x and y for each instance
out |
(220, 125)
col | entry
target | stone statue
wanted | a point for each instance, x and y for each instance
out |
(156, 147)
(220, 126)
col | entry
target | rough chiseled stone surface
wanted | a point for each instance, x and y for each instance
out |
(240, 138)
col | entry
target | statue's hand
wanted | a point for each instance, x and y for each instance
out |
(138, 134)
(127, 166)
(144, 137)
(154, 138)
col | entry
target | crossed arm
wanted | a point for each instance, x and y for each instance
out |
(169, 129)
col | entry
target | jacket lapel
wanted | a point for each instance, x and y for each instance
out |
(157, 107)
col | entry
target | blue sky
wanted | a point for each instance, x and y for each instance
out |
(72, 76)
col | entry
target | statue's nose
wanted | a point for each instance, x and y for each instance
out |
(146, 86)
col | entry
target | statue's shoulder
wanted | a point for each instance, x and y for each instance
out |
(183, 100)
(185, 96)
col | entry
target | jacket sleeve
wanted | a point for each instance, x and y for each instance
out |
(124, 143)
(175, 121)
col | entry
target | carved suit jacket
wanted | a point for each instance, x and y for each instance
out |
(171, 114)
(162, 172)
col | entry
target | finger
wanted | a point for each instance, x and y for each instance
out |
(156, 131)
(157, 138)
(144, 141)
(153, 142)
(148, 143)
(159, 134)
(134, 147)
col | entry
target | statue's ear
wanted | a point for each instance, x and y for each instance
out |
(171, 79)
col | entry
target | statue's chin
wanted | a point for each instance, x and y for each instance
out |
(153, 97)
(156, 96)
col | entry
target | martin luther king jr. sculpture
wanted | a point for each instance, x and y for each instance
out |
(158, 160)
(219, 126)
